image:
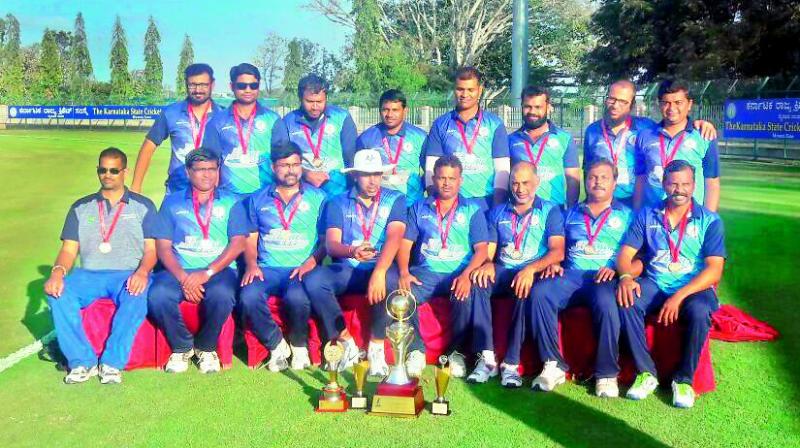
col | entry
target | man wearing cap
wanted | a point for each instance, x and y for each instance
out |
(474, 135)
(200, 232)
(399, 143)
(112, 231)
(364, 228)
(682, 246)
(283, 249)
(526, 235)
(550, 148)
(244, 133)
(445, 240)
(325, 133)
(185, 124)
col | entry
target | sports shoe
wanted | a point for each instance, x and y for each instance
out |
(551, 376)
(351, 354)
(606, 388)
(110, 375)
(300, 359)
(643, 386)
(208, 362)
(279, 358)
(415, 364)
(458, 365)
(377, 360)
(80, 374)
(179, 362)
(509, 376)
(682, 395)
(483, 371)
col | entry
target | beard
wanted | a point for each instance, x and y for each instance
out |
(535, 124)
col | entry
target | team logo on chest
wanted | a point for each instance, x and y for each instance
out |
(483, 131)
(304, 206)
(461, 218)
(615, 223)
(218, 211)
(330, 129)
(261, 126)
(693, 230)
(383, 212)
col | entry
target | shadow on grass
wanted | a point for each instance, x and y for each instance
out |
(37, 314)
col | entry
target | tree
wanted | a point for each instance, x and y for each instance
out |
(270, 58)
(153, 68)
(50, 74)
(186, 59)
(12, 71)
(80, 72)
(121, 89)
(302, 55)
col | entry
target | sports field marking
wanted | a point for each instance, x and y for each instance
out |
(60, 138)
(24, 352)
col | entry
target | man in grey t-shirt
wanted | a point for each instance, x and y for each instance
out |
(112, 232)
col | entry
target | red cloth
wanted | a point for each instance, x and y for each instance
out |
(191, 316)
(97, 319)
(731, 324)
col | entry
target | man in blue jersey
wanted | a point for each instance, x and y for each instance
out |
(364, 228)
(476, 136)
(682, 245)
(399, 143)
(675, 138)
(184, 123)
(200, 232)
(112, 231)
(593, 229)
(244, 133)
(326, 134)
(526, 236)
(283, 247)
(445, 240)
(550, 148)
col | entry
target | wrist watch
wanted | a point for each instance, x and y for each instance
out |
(209, 272)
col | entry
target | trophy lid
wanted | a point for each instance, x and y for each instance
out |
(401, 305)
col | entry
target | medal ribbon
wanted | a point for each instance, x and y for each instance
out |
(197, 134)
(286, 223)
(366, 228)
(661, 146)
(397, 151)
(205, 224)
(250, 121)
(469, 145)
(321, 133)
(675, 249)
(621, 147)
(541, 150)
(106, 235)
(600, 223)
(444, 233)
(519, 236)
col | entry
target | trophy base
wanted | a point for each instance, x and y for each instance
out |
(440, 408)
(358, 403)
(327, 403)
(398, 401)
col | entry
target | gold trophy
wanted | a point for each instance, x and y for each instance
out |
(359, 400)
(333, 398)
(398, 395)
(440, 406)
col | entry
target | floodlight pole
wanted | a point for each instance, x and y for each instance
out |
(519, 49)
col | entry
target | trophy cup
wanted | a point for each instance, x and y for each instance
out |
(440, 406)
(398, 395)
(332, 398)
(359, 400)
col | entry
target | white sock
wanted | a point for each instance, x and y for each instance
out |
(375, 346)
(488, 357)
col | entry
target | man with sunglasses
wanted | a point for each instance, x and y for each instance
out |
(113, 232)
(326, 134)
(244, 133)
(185, 123)
(614, 136)
(200, 232)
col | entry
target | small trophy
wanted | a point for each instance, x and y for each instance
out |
(333, 398)
(359, 400)
(440, 406)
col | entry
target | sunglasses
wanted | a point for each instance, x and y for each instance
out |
(245, 85)
(114, 171)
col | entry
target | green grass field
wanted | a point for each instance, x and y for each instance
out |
(757, 402)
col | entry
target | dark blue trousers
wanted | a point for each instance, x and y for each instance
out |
(516, 331)
(166, 295)
(294, 305)
(575, 287)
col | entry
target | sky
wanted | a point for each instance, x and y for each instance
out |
(223, 34)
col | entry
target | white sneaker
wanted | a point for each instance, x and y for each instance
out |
(415, 364)
(80, 374)
(377, 360)
(458, 365)
(682, 395)
(179, 362)
(279, 358)
(483, 371)
(300, 359)
(643, 386)
(351, 354)
(509, 376)
(551, 376)
(208, 362)
(110, 375)
(606, 388)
